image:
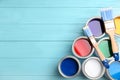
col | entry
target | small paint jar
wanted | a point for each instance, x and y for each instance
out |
(69, 67)
(113, 73)
(117, 25)
(92, 68)
(82, 47)
(105, 46)
(96, 25)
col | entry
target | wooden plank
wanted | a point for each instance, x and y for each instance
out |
(20, 68)
(28, 67)
(42, 78)
(59, 3)
(46, 15)
(32, 50)
(40, 32)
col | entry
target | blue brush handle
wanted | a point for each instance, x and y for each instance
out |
(105, 63)
(116, 56)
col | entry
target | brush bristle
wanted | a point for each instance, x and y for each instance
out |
(106, 14)
(87, 31)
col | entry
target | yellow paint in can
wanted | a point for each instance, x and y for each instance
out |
(117, 25)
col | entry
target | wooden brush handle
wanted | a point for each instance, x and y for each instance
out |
(113, 42)
(95, 44)
(104, 61)
(100, 53)
(114, 45)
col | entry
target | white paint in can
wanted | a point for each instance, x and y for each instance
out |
(93, 68)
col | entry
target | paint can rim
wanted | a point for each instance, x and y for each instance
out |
(91, 20)
(105, 38)
(82, 57)
(107, 72)
(102, 70)
(74, 58)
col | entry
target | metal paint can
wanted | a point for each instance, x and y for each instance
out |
(113, 73)
(93, 68)
(106, 47)
(96, 25)
(69, 67)
(82, 47)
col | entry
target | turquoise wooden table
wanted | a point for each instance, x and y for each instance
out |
(36, 34)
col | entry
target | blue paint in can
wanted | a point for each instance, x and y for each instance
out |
(114, 70)
(69, 67)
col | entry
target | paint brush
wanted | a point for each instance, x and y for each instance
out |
(95, 44)
(107, 17)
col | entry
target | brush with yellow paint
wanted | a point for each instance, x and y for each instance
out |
(107, 17)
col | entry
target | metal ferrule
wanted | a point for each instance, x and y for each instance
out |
(109, 25)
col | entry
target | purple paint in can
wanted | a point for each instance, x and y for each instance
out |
(96, 26)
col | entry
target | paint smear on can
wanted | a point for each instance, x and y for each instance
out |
(69, 67)
(114, 70)
(117, 25)
(106, 48)
(93, 68)
(83, 47)
(97, 27)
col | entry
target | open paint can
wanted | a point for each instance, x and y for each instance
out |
(69, 66)
(113, 73)
(96, 25)
(106, 48)
(82, 47)
(117, 25)
(92, 68)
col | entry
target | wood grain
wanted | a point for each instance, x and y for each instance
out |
(36, 34)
